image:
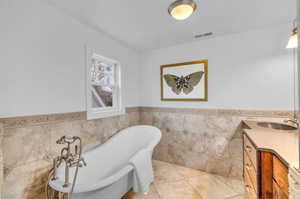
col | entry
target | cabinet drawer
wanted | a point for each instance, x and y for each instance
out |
(277, 192)
(251, 151)
(280, 175)
(249, 168)
(250, 192)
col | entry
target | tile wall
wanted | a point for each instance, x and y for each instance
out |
(204, 139)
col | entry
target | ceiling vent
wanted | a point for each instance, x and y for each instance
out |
(204, 35)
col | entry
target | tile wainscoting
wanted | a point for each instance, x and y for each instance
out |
(29, 146)
(206, 139)
(1, 160)
(209, 140)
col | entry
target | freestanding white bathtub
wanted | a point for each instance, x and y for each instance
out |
(108, 174)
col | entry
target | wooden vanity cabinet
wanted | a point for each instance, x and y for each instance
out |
(251, 170)
(265, 176)
(277, 192)
(280, 179)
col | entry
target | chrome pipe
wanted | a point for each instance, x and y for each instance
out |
(67, 183)
(54, 169)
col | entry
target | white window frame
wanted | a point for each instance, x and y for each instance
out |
(117, 108)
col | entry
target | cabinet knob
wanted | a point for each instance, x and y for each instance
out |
(247, 166)
(248, 148)
(248, 188)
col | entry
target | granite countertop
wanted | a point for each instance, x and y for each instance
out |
(284, 144)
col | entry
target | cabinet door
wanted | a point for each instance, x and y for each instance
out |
(250, 192)
(249, 168)
(266, 175)
(277, 192)
(280, 175)
(251, 151)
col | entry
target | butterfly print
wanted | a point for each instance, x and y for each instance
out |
(183, 83)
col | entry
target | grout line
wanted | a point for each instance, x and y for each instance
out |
(159, 196)
(234, 196)
(185, 179)
(197, 192)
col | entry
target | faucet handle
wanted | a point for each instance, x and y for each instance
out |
(66, 139)
(60, 140)
(77, 161)
(291, 120)
(83, 161)
(294, 122)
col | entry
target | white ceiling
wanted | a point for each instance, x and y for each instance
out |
(145, 24)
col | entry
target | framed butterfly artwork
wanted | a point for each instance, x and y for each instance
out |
(184, 81)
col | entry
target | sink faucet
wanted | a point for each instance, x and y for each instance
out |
(293, 121)
(66, 156)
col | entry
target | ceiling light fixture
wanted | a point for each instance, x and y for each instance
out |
(293, 40)
(182, 9)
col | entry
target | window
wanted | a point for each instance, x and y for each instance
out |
(103, 87)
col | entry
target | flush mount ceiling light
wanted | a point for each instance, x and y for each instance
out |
(182, 9)
(293, 40)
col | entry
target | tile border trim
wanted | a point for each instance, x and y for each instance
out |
(18, 122)
(237, 112)
(22, 121)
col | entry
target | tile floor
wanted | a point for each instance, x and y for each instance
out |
(176, 182)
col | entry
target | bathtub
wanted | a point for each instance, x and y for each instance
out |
(108, 174)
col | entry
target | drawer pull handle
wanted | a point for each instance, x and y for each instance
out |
(248, 148)
(248, 188)
(247, 166)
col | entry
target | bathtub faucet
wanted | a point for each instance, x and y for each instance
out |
(70, 159)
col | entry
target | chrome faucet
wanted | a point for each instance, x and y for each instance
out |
(293, 121)
(70, 159)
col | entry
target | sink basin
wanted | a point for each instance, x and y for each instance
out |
(277, 126)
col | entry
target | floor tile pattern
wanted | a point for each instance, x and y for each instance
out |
(177, 182)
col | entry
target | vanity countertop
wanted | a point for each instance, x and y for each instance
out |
(284, 144)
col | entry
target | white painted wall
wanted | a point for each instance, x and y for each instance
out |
(42, 64)
(250, 70)
(298, 63)
(42, 60)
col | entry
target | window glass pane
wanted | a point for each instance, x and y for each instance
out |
(102, 83)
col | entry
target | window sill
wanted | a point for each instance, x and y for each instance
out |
(99, 115)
